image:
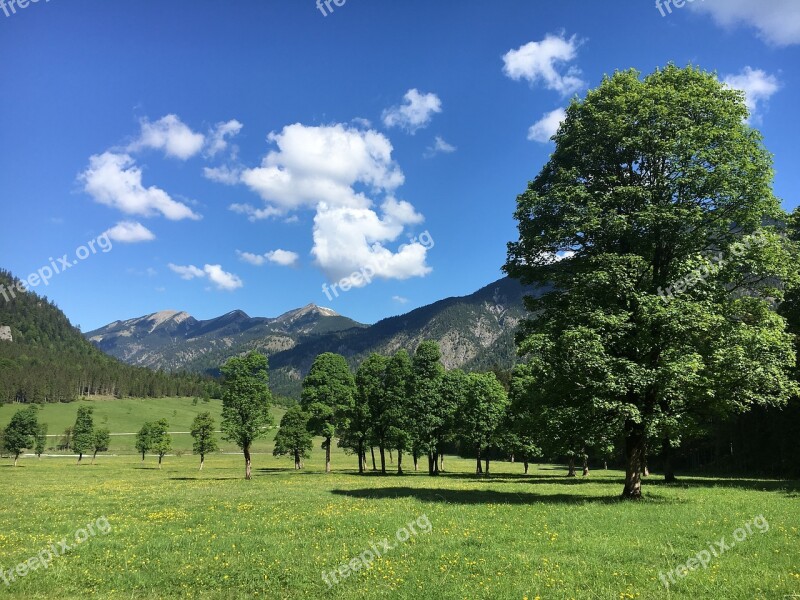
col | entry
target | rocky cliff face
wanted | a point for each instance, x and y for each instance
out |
(5, 334)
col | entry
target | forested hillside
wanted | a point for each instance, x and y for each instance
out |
(48, 360)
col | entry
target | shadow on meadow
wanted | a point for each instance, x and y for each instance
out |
(449, 496)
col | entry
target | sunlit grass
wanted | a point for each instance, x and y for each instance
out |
(182, 533)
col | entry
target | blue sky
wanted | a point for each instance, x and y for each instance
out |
(241, 155)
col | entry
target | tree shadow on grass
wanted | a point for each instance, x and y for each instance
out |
(756, 485)
(204, 478)
(474, 496)
(533, 479)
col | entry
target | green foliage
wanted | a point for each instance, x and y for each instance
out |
(83, 432)
(144, 439)
(429, 415)
(328, 395)
(20, 434)
(650, 178)
(160, 439)
(245, 399)
(293, 437)
(101, 440)
(204, 438)
(484, 407)
(41, 439)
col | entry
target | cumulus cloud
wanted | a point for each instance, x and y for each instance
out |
(415, 113)
(547, 126)
(777, 21)
(337, 170)
(130, 232)
(284, 258)
(218, 136)
(347, 240)
(400, 299)
(323, 164)
(758, 87)
(439, 146)
(115, 180)
(171, 135)
(221, 279)
(546, 62)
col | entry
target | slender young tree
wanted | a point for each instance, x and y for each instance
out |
(100, 441)
(398, 383)
(375, 417)
(327, 397)
(144, 441)
(485, 406)
(205, 440)
(293, 437)
(658, 245)
(245, 403)
(20, 433)
(41, 440)
(83, 432)
(161, 440)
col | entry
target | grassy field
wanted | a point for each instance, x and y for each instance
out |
(178, 533)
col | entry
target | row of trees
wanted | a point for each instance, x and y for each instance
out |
(25, 432)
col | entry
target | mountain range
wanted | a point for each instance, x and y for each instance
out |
(474, 332)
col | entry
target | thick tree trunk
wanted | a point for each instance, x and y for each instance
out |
(441, 462)
(399, 462)
(160, 458)
(248, 475)
(202, 461)
(361, 460)
(435, 463)
(372, 450)
(16, 458)
(142, 456)
(391, 458)
(327, 455)
(634, 462)
(297, 459)
(382, 452)
(571, 471)
(486, 471)
(415, 456)
(526, 467)
(478, 467)
(585, 465)
(93, 457)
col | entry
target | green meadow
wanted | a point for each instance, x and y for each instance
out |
(178, 532)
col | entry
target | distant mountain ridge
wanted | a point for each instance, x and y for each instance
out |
(474, 332)
(173, 339)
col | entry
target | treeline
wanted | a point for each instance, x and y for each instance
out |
(50, 361)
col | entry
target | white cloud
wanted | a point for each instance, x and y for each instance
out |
(226, 175)
(218, 136)
(188, 272)
(758, 87)
(221, 279)
(284, 258)
(777, 21)
(347, 240)
(440, 146)
(400, 299)
(336, 170)
(544, 62)
(416, 112)
(547, 126)
(171, 135)
(130, 232)
(115, 180)
(323, 164)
